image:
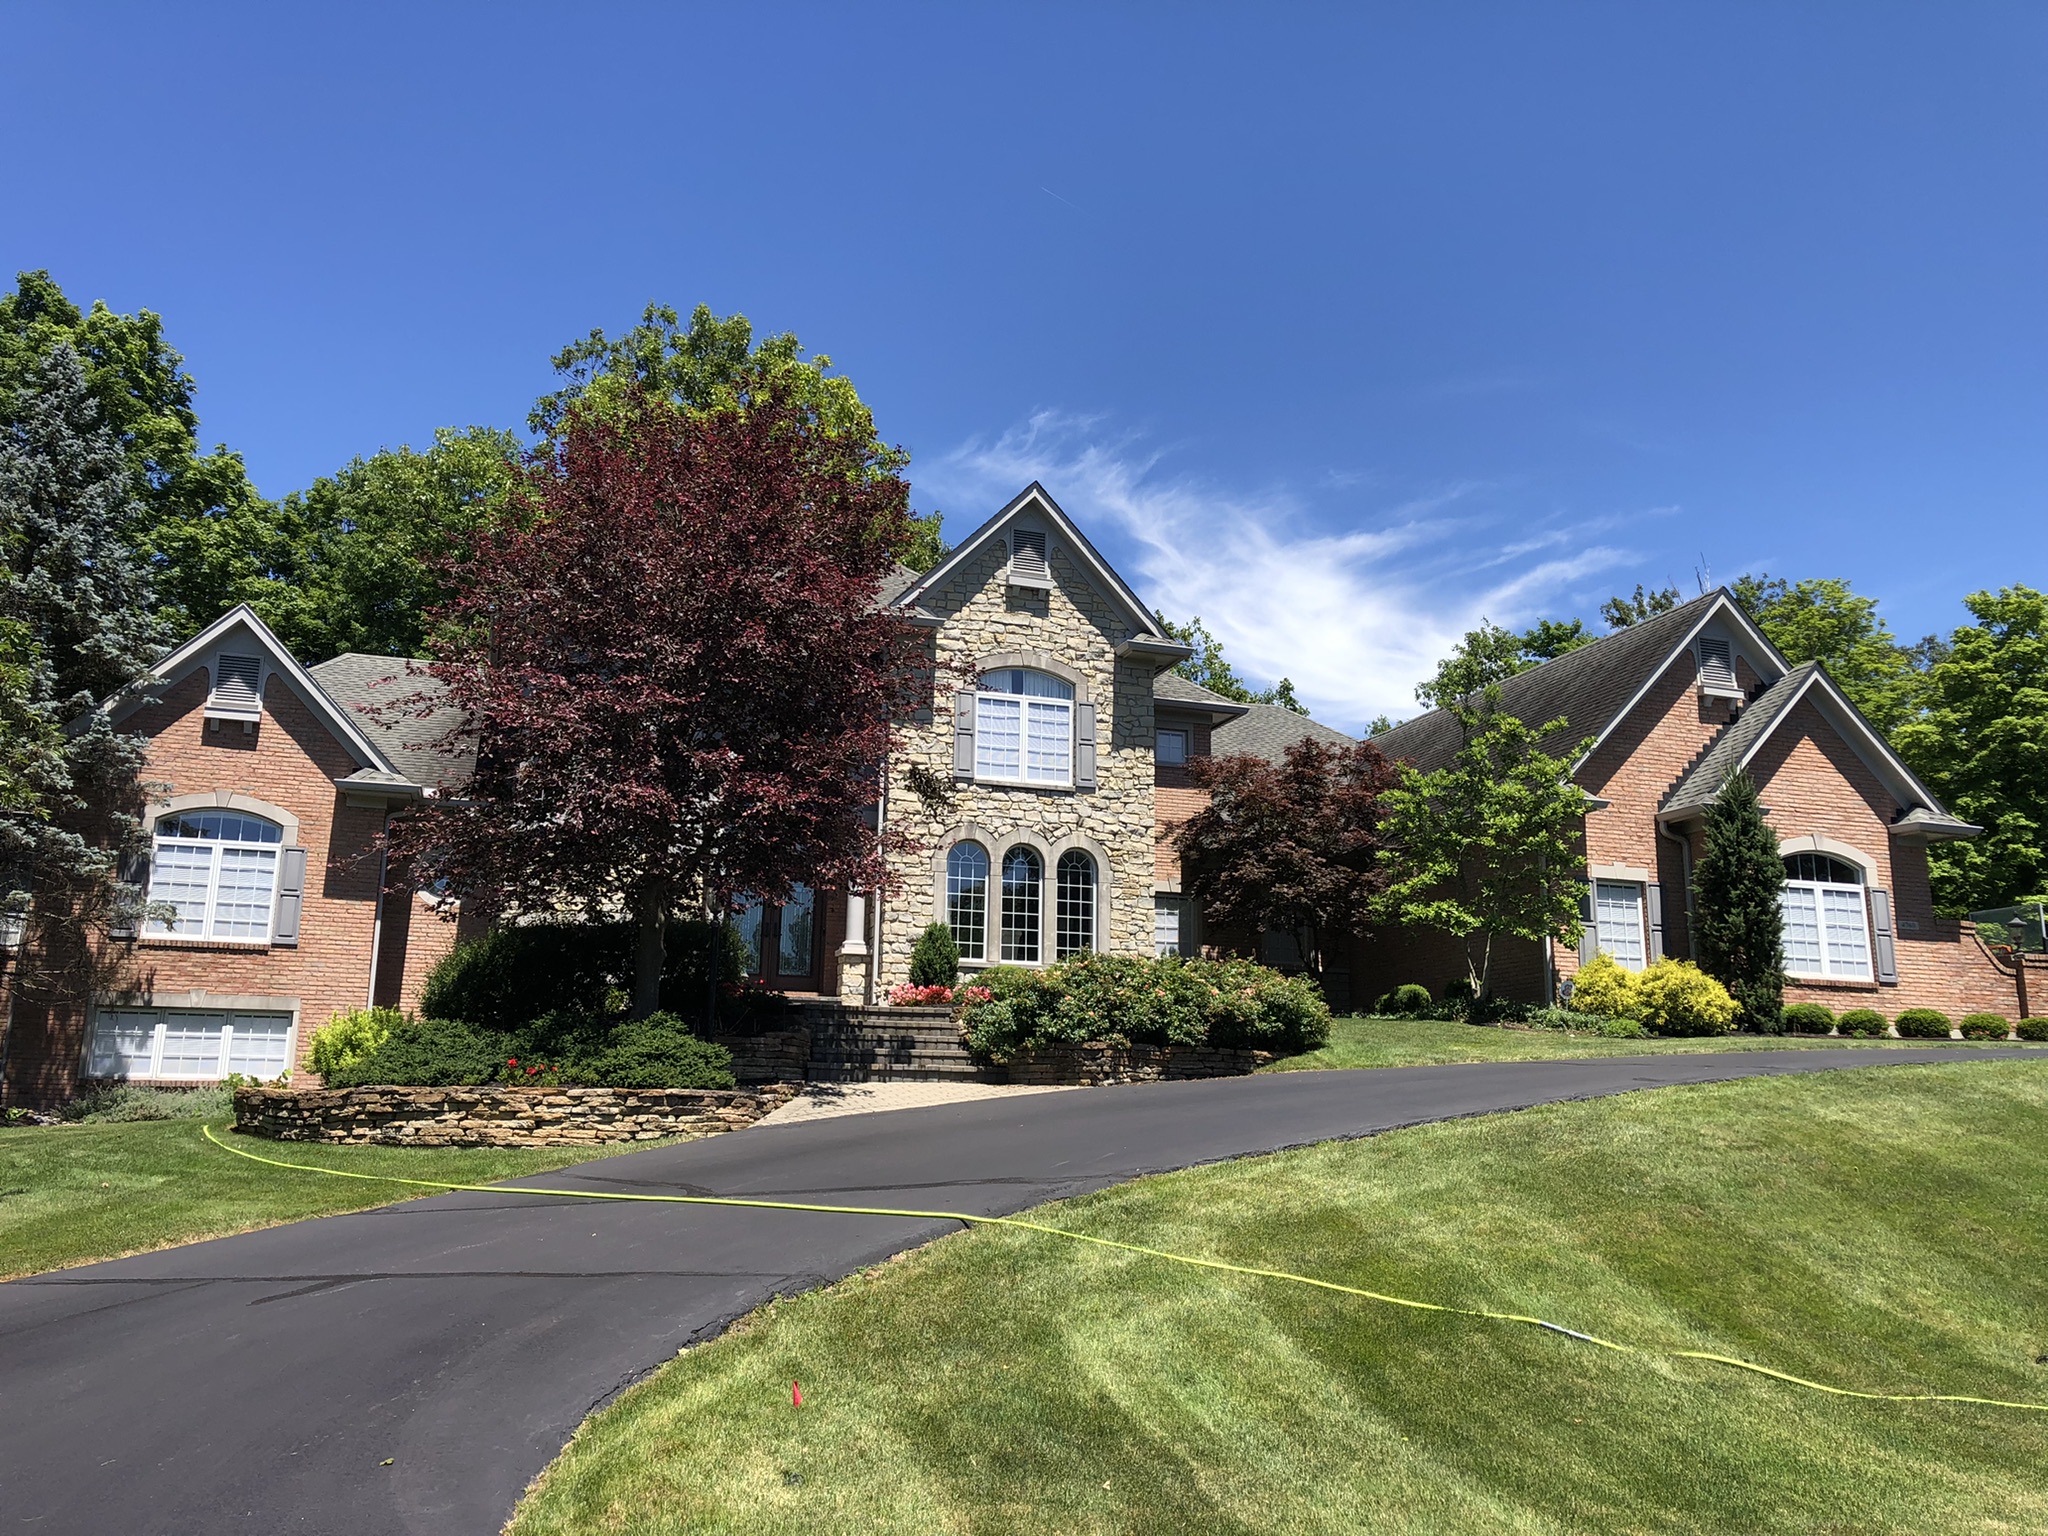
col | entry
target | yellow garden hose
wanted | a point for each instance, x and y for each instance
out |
(1646, 1351)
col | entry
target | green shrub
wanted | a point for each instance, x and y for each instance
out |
(509, 977)
(1564, 1018)
(348, 1037)
(1808, 1018)
(1985, 1026)
(1922, 1024)
(935, 962)
(655, 1052)
(2032, 1029)
(1407, 1001)
(1861, 1023)
(120, 1103)
(1128, 999)
(1623, 1029)
(1676, 997)
(1603, 987)
(431, 1053)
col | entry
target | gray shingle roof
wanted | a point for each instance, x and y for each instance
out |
(1702, 782)
(1175, 689)
(1268, 730)
(355, 682)
(1586, 688)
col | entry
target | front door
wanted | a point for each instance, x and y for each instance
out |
(782, 941)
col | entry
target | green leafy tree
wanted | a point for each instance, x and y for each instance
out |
(1823, 620)
(1982, 746)
(1549, 639)
(1212, 669)
(1487, 847)
(1621, 612)
(1736, 899)
(1492, 654)
(935, 961)
(193, 516)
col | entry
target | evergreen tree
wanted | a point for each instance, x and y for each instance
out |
(75, 619)
(1741, 923)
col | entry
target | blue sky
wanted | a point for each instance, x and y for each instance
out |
(1339, 326)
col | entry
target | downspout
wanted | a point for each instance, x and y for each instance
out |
(1692, 937)
(377, 921)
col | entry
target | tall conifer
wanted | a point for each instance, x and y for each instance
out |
(1741, 923)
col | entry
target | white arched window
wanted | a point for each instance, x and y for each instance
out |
(218, 869)
(1024, 727)
(1073, 913)
(1827, 932)
(967, 899)
(1022, 876)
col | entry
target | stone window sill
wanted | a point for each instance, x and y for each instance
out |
(172, 941)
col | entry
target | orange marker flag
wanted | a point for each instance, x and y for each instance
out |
(796, 1395)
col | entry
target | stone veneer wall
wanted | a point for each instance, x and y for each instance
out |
(1097, 1064)
(500, 1117)
(1077, 626)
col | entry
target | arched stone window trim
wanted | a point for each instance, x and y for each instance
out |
(1820, 842)
(1037, 661)
(227, 800)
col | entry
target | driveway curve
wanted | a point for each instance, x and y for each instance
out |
(410, 1369)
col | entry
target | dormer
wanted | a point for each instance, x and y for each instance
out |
(237, 692)
(1029, 566)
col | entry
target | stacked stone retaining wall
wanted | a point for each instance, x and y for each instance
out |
(500, 1117)
(1096, 1064)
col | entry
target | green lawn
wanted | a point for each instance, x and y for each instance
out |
(70, 1194)
(1371, 1042)
(1885, 1229)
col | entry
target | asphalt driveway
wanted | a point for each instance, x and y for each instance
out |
(261, 1383)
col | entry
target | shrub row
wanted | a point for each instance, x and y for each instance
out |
(1133, 1000)
(1913, 1024)
(561, 1049)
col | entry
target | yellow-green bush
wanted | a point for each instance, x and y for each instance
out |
(1676, 997)
(348, 1038)
(1603, 987)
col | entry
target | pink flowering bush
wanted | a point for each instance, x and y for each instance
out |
(914, 996)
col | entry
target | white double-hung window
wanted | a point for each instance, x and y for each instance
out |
(1024, 728)
(218, 871)
(1618, 913)
(188, 1043)
(1827, 932)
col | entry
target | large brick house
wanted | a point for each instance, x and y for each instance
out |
(1039, 787)
(1671, 706)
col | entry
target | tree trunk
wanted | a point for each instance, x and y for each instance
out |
(650, 917)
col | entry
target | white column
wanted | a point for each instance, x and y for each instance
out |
(853, 951)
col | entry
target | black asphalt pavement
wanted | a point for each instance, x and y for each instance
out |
(260, 1383)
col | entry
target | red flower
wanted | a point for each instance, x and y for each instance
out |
(511, 1061)
(531, 1070)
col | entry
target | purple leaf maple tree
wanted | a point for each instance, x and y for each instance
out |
(674, 674)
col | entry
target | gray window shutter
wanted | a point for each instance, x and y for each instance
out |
(291, 896)
(134, 871)
(963, 735)
(1589, 931)
(1654, 896)
(1084, 746)
(1881, 937)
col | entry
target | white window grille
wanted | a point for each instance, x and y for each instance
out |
(1166, 925)
(967, 899)
(1827, 928)
(1618, 910)
(1024, 728)
(1073, 916)
(1170, 748)
(1022, 876)
(190, 1044)
(218, 870)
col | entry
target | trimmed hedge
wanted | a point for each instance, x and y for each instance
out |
(561, 1050)
(1671, 997)
(1135, 1000)
(508, 978)
(348, 1037)
(1923, 1024)
(1407, 1001)
(1985, 1026)
(2032, 1029)
(1861, 1023)
(1808, 1019)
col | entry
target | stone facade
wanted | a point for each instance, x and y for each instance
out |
(500, 1117)
(1072, 630)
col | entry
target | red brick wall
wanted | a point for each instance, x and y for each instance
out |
(290, 761)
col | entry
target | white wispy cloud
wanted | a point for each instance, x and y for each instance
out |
(1355, 614)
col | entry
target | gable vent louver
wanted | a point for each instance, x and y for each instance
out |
(1717, 669)
(1028, 565)
(235, 695)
